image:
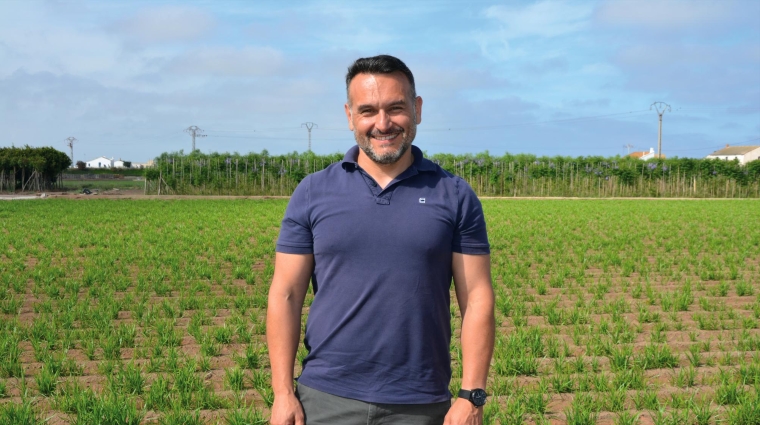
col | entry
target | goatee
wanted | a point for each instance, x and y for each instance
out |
(365, 144)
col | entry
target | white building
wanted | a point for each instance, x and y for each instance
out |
(744, 154)
(100, 162)
(148, 164)
(644, 155)
(103, 162)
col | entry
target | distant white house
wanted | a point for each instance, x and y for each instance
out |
(103, 162)
(644, 155)
(148, 164)
(100, 162)
(744, 154)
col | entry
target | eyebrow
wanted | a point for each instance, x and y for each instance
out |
(372, 106)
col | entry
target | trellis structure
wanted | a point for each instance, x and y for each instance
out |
(507, 175)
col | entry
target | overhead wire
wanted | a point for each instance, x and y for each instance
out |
(537, 122)
(261, 132)
(559, 120)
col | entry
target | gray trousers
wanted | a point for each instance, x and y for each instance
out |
(321, 408)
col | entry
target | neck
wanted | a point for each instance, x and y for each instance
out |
(383, 174)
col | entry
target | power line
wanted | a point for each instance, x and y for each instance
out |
(253, 131)
(751, 140)
(695, 149)
(593, 117)
(535, 122)
(277, 138)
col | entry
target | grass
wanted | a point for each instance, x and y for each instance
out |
(102, 184)
(19, 414)
(622, 308)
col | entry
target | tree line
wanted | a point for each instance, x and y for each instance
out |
(225, 173)
(31, 168)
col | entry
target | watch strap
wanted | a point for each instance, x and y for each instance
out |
(476, 396)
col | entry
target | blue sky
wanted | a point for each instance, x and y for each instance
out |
(542, 77)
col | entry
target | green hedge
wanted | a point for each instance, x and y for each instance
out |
(41, 165)
(507, 175)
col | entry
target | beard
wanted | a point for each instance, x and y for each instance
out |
(365, 144)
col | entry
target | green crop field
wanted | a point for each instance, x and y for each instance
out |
(152, 311)
(105, 184)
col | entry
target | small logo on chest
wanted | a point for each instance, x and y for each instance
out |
(422, 200)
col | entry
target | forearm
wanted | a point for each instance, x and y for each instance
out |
(283, 335)
(477, 338)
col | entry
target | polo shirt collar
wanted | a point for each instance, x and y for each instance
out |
(420, 162)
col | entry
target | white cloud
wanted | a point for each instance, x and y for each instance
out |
(588, 103)
(599, 69)
(35, 40)
(168, 24)
(59, 49)
(549, 18)
(541, 20)
(228, 61)
(684, 56)
(664, 14)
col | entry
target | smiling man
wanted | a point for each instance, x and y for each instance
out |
(381, 235)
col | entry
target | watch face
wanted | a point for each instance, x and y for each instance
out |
(478, 397)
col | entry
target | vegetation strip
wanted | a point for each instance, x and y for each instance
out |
(508, 175)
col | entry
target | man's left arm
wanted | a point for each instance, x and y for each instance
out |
(472, 283)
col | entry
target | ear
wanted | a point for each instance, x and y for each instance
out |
(418, 110)
(348, 116)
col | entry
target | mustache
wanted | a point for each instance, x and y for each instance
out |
(391, 132)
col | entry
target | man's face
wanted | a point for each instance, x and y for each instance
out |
(382, 115)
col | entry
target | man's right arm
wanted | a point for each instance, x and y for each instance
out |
(292, 273)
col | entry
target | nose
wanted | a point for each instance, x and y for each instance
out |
(383, 122)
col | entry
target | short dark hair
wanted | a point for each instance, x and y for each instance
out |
(380, 64)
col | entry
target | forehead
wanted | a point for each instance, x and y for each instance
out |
(378, 86)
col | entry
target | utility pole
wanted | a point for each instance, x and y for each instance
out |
(309, 126)
(628, 146)
(194, 131)
(660, 107)
(70, 144)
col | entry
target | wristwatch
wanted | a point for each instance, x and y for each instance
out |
(477, 396)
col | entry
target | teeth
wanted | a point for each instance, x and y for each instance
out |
(389, 137)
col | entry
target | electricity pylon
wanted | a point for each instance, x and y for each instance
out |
(194, 131)
(70, 143)
(665, 107)
(309, 126)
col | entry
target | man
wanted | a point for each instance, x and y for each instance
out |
(380, 235)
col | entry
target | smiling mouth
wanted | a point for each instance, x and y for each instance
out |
(384, 137)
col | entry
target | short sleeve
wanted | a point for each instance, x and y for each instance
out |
(295, 232)
(470, 235)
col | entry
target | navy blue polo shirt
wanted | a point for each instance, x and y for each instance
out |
(379, 326)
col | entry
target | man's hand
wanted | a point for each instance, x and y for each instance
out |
(463, 412)
(287, 410)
